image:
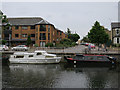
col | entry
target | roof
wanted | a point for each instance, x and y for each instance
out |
(43, 22)
(115, 24)
(23, 53)
(39, 51)
(58, 30)
(27, 21)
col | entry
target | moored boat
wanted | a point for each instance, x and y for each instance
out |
(79, 59)
(38, 57)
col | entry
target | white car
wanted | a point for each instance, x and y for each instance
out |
(4, 47)
(20, 47)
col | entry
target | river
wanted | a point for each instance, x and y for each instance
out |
(59, 76)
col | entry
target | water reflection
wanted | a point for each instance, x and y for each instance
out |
(59, 76)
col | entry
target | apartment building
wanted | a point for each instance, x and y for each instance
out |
(40, 31)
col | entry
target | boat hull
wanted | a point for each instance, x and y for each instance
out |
(35, 61)
(85, 63)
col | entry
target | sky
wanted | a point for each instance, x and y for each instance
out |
(79, 17)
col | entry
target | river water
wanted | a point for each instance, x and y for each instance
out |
(59, 76)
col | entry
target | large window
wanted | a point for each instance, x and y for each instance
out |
(57, 32)
(24, 35)
(117, 31)
(16, 27)
(32, 35)
(16, 35)
(48, 28)
(42, 36)
(60, 33)
(32, 27)
(36, 28)
(24, 27)
(42, 27)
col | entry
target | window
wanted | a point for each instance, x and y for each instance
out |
(24, 35)
(42, 36)
(16, 27)
(16, 35)
(60, 33)
(99, 57)
(39, 53)
(57, 39)
(90, 57)
(19, 56)
(48, 28)
(57, 32)
(30, 55)
(117, 40)
(79, 57)
(32, 27)
(117, 31)
(32, 35)
(36, 28)
(24, 27)
(42, 27)
(48, 36)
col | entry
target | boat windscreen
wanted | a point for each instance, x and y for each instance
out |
(19, 56)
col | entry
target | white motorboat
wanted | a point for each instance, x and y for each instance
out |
(38, 57)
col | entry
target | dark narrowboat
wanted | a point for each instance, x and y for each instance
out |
(79, 59)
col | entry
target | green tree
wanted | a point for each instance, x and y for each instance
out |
(68, 31)
(97, 34)
(72, 37)
(49, 45)
(29, 41)
(4, 42)
(85, 39)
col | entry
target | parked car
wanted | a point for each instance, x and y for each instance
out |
(92, 45)
(4, 47)
(86, 44)
(82, 43)
(20, 47)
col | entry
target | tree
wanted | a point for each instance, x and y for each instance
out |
(85, 39)
(29, 40)
(49, 45)
(97, 34)
(68, 31)
(4, 42)
(72, 37)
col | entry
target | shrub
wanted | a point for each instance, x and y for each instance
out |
(35, 45)
(49, 45)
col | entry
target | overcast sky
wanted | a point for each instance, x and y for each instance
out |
(78, 16)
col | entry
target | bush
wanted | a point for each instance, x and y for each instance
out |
(35, 45)
(116, 45)
(49, 45)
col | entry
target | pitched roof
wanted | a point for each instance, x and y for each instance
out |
(43, 22)
(27, 21)
(115, 24)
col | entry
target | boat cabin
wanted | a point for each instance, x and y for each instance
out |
(91, 57)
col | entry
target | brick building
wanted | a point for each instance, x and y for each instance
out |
(40, 30)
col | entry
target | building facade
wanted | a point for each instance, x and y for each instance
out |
(40, 31)
(115, 32)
